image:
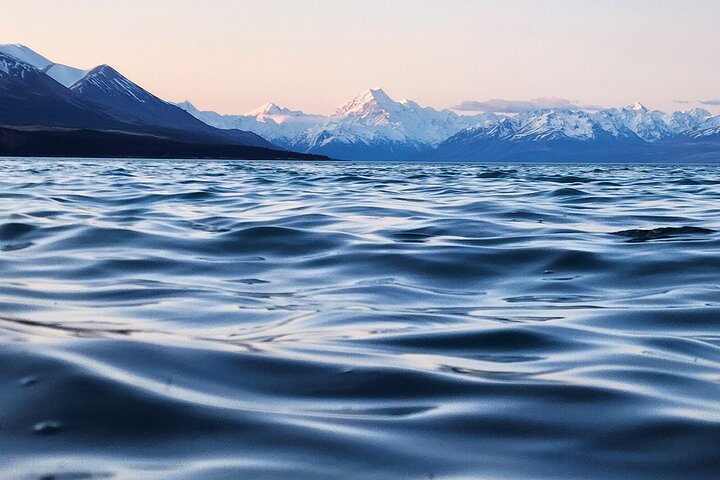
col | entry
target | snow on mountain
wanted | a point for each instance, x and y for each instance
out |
(648, 125)
(278, 124)
(120, 97)
(371, 121)
(12, 67)
(65, 75)
(29, 97)
(371, 125)
(505, 129)
(555, 125)
(270, 110)
(559, 124)
(25, 55)
(371, 107)
(405, 121)
(272, 122)
(634, 122)
(106, 80)
(35, 91)
(625, 134)
(708, 128)
(687, 120)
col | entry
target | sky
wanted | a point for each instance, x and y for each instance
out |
(314, 55)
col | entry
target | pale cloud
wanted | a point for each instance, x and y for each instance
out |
(683, 102)
(714, 103)
(498, 105)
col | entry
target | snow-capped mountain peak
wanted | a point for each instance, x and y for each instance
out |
(270, 109)
(372, 104)
(637, 106)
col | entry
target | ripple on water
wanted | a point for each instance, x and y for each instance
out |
(644, 235)
(221, 320)
(14, 230)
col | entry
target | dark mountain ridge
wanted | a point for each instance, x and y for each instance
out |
(111, 116)
(112, 93)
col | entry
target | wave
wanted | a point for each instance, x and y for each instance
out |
(221, 320)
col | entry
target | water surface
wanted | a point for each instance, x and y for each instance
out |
(226, 320)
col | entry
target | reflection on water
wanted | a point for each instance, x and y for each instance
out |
(225, 320)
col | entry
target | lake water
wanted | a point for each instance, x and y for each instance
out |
(242, 320)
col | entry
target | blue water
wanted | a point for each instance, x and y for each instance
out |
(242, 320)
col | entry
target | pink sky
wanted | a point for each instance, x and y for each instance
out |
(232, 56)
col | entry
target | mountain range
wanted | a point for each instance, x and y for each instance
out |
(52, 109)
(373, 126)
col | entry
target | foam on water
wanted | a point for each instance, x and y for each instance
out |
(224, 320)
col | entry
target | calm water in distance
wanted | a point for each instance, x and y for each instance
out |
(248, 320)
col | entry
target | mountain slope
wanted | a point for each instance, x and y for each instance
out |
(30, 97)
(123, 99)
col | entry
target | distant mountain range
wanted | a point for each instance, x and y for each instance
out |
(373, 126)
(629, 134)
(52, 109)
(47, 108)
